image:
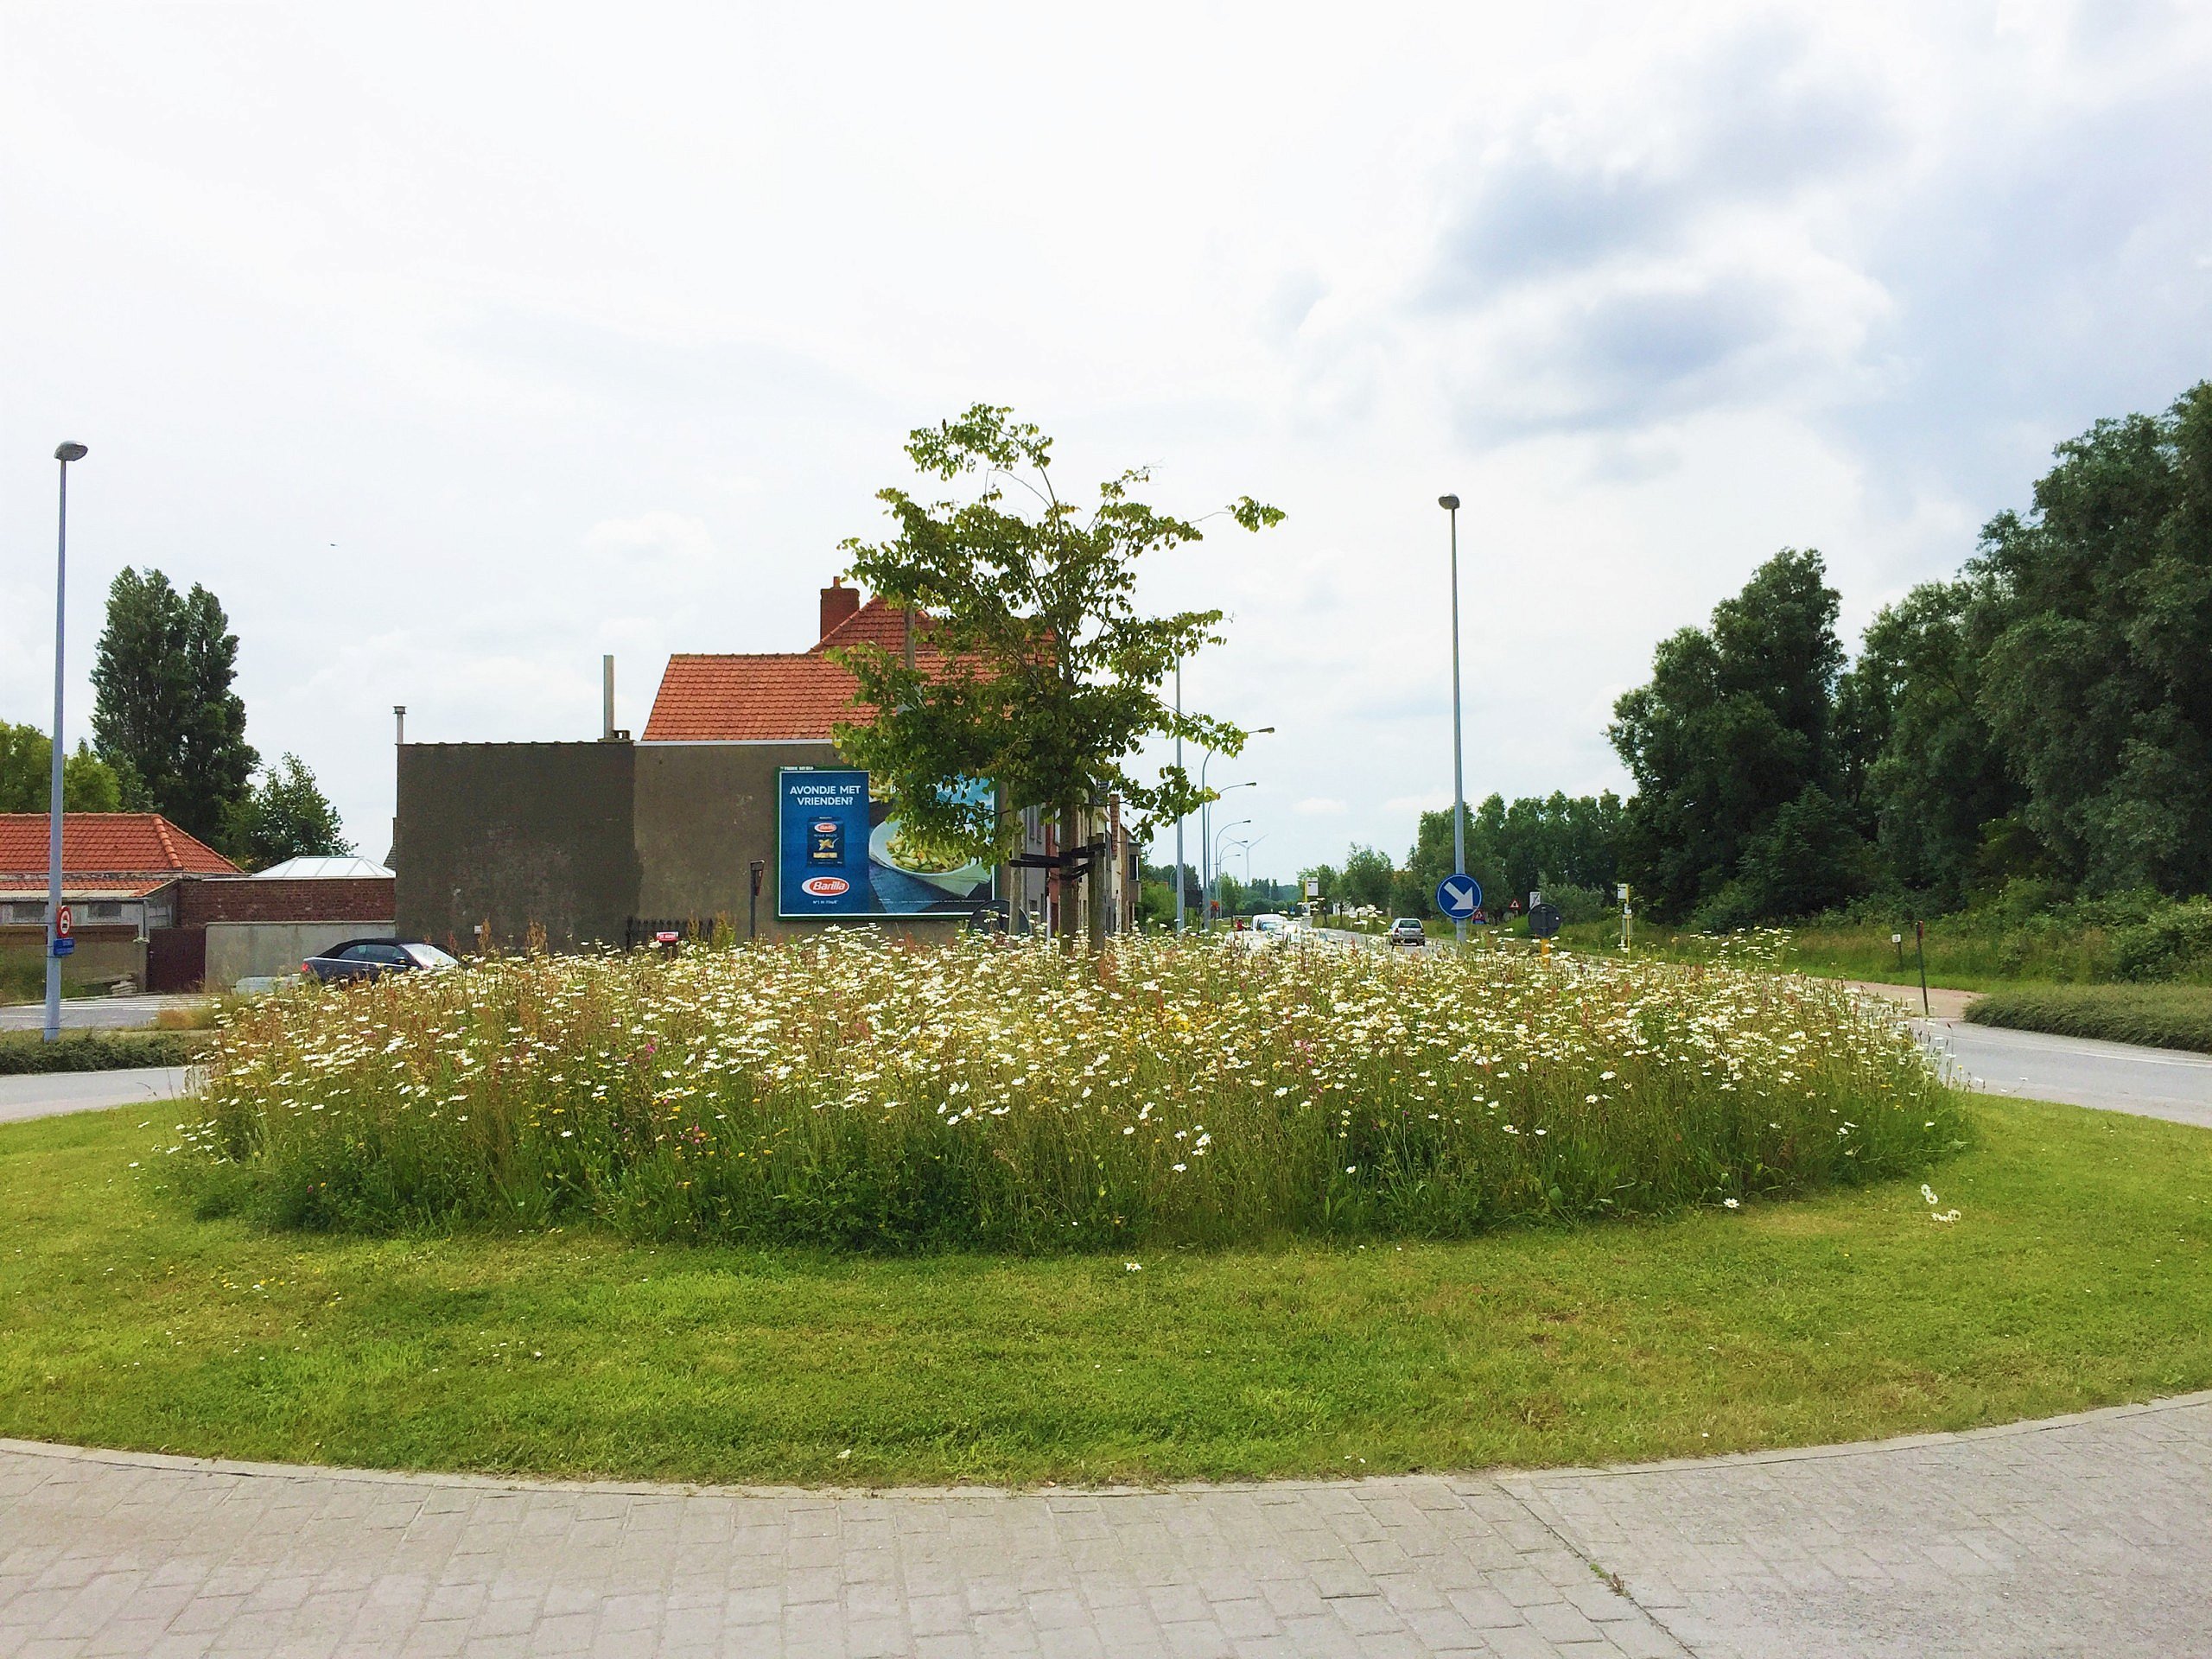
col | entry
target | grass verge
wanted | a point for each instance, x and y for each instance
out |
(23, 1052)
(2160, 1016)
(2077, 1274)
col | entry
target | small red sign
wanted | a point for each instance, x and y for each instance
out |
(826, 887)
(64, 923)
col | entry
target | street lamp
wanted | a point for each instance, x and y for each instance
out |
(1209, 867)
(1178, 817)
(66, 453)
(1451, 505)
(1205, 819)
(1217, 839)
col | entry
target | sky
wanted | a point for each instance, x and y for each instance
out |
(453, 347)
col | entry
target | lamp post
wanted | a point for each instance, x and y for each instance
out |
(1451, 505)
(1178, 817)
(66, 453)
(1205, 819)
(1208, 853)
(1218, 840)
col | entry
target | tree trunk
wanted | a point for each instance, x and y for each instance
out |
(1070, 832)
(1097, 891)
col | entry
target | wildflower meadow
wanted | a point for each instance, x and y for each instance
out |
(856, 1092)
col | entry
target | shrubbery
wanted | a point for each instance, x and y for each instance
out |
(2160, 1016)
(859, 1093)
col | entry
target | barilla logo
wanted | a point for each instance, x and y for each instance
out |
(825, 887)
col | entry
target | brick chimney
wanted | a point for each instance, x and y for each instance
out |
(838, 603)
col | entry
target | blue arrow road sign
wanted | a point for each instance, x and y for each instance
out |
(1458, 896)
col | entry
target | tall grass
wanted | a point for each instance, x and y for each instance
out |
(859, 1093)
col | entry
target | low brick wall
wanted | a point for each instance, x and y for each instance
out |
(202, 899)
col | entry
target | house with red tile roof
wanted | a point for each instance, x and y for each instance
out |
(120, 872)
(162, 909)
(615, 842)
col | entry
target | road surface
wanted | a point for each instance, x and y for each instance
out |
(95, 1013)
(2110, 1076)
(49, 1094)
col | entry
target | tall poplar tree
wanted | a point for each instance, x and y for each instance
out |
(164, 714)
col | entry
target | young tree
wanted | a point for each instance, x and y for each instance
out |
(285, 815)
(1040, 676)
(164, 715)
(27, 778)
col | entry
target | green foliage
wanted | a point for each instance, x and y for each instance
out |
(88, 784)
(22, 1054)
(285, 815)
(2094, 613)
(164, 714)
(1042, 675)
(861, 1094)
(1732, 746)
(1930, 776)
(2158, 1016)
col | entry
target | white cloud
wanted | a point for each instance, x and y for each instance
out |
(577, 339)
(1320, 806)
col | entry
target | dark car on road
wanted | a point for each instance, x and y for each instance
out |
(1408, 929)
(370, 959)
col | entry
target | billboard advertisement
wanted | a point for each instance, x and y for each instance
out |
(840, 853)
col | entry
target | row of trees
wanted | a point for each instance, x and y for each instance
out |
(168, 736)
(1565, 845)
(2047, 715)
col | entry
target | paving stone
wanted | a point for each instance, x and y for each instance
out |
(2085, 1535)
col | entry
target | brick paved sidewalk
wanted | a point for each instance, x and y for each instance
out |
(2091, 1534)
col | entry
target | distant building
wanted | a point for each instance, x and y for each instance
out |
(156, 907)
(610, 842)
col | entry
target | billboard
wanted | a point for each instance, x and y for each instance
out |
(840, 853)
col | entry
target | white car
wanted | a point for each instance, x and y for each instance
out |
(1262, 933)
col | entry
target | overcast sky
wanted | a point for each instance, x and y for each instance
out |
(455, 345)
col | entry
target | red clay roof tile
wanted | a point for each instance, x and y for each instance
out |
(141, 844)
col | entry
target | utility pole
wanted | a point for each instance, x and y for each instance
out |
(1451, 505)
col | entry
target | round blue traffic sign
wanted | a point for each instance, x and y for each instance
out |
(1459, 897)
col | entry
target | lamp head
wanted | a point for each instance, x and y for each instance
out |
(1259, 731)
(69, 452)
(1449, 503)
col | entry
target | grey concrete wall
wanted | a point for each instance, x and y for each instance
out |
(239, 950)
(705, 812)
(512, 833)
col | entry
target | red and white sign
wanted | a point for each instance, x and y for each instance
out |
(64, 923)
(826, 887)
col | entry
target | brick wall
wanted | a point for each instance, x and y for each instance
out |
(347, 898)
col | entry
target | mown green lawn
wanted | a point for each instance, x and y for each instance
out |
(2077, 1274)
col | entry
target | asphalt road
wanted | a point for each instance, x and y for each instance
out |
(49, 1094)
(94, 1012)
(2110, 1076)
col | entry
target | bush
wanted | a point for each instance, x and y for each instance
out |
(857, 1093)
(24, 1052)
(2158, 1016)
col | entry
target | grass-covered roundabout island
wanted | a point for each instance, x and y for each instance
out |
(854, 1211)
